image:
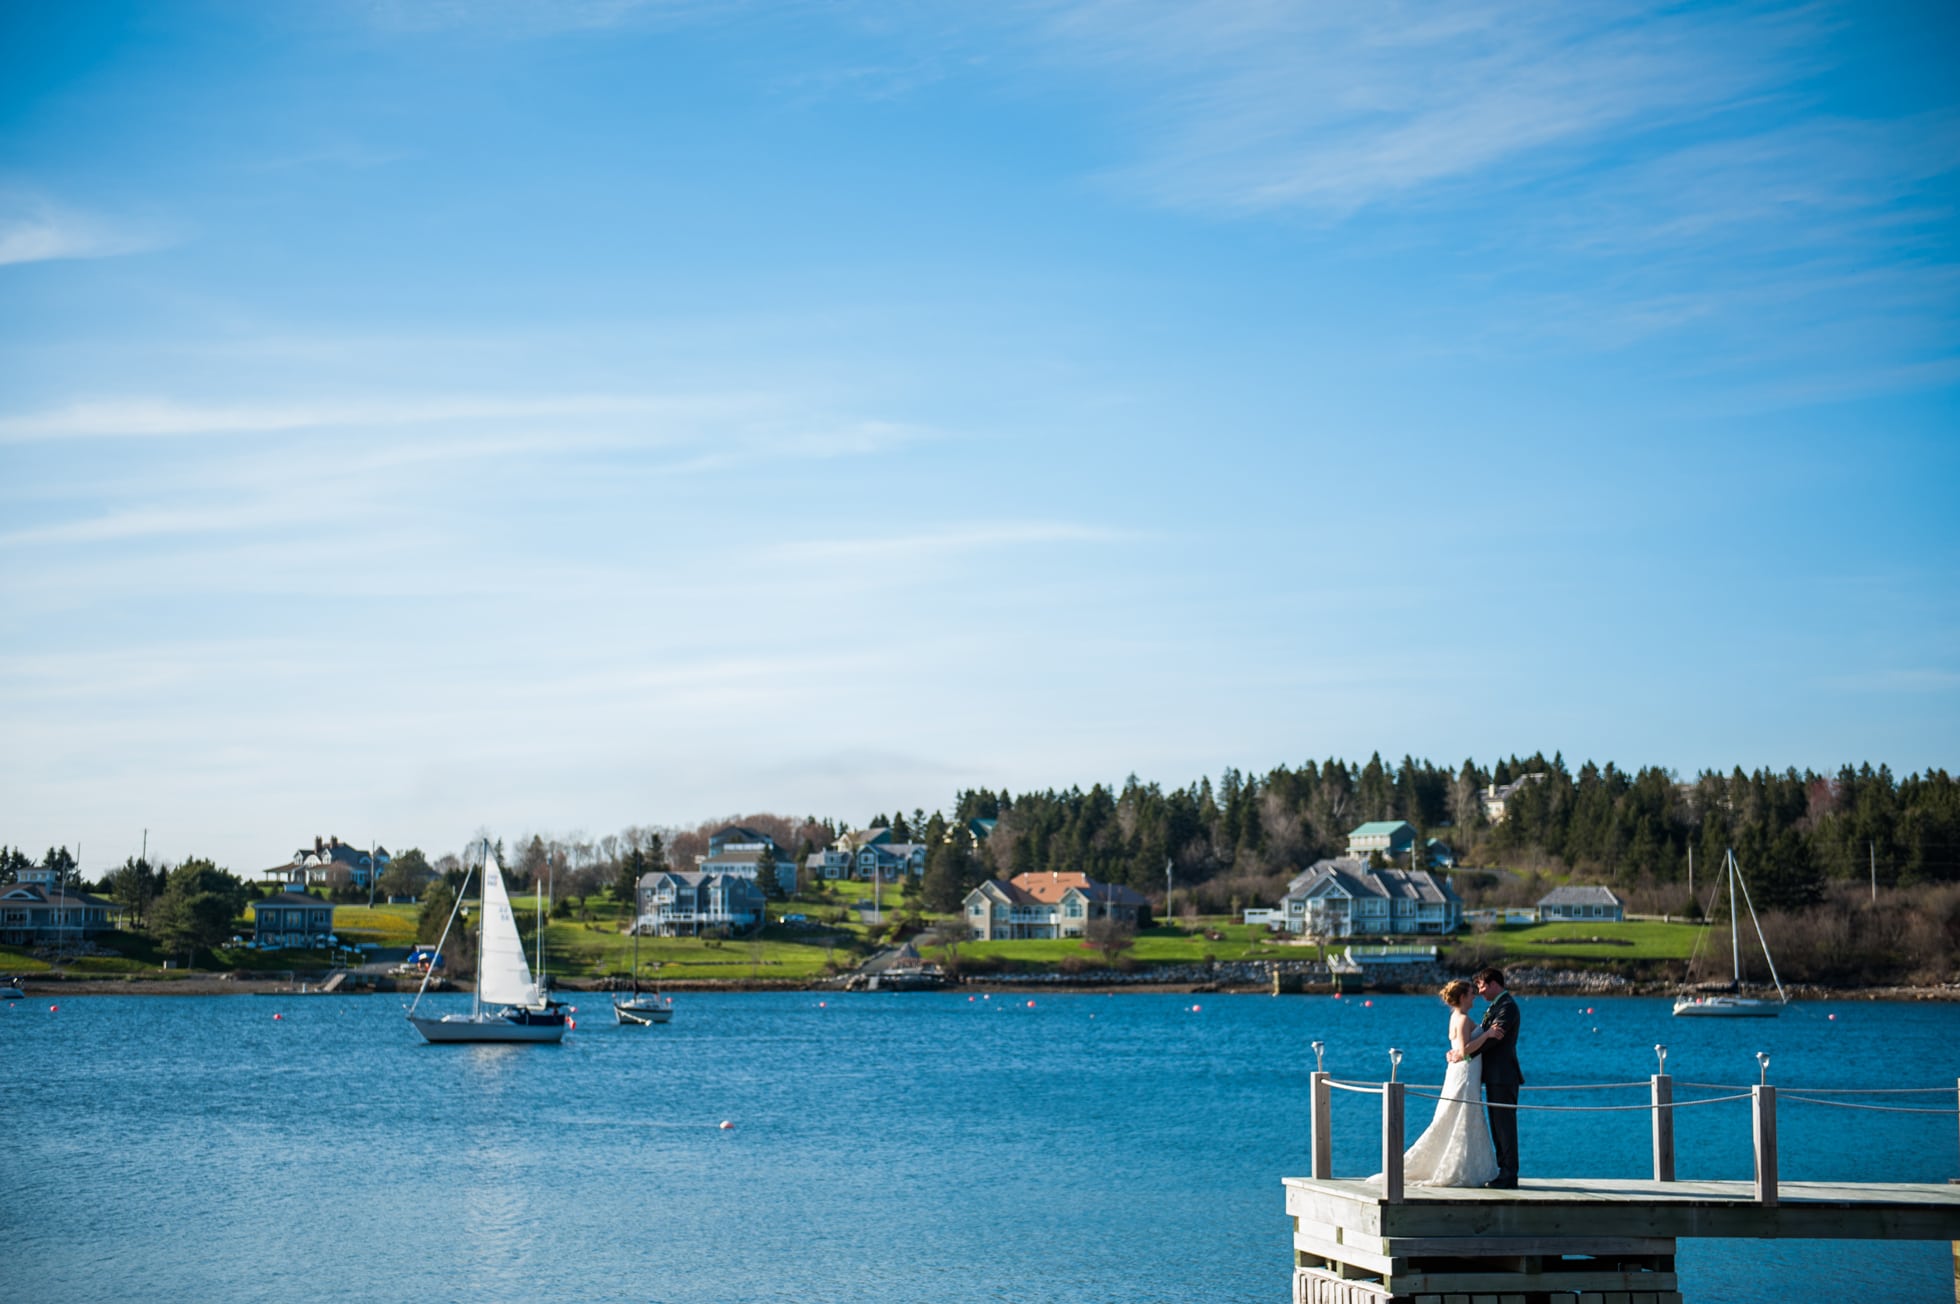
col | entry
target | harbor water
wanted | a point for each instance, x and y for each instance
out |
(889, 1148)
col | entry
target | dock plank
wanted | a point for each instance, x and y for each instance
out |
(1599, 1207)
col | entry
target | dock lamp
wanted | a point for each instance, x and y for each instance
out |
(1394, 1062)
(1662, 1052)
(1319, 1053)
(1762, 1058)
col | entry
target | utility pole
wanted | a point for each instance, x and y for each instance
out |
(1871, 847)
(1168, 864)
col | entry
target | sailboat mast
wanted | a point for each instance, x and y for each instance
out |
(482, 900)
(1735, 932)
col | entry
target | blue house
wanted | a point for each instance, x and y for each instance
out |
(291, 921)
(329, 854)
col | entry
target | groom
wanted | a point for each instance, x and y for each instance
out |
(1502, 1077)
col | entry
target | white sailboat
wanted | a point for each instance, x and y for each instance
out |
(641, 1011)
(1734, 1005)
(510, 1005)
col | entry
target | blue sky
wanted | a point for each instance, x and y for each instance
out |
(558, 416)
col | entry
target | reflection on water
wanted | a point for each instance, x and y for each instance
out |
(886, 1147)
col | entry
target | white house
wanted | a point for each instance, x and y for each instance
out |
(1047, 905)
(1344, 898)
(1594, 903)
(739, 851)
(1496, 798)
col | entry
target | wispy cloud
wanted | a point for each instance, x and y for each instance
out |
(950, 540)
(161, 417)
(1335, 108)
(34, 229)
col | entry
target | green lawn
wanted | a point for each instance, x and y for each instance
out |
(1161, 945)
(380, 925)
(597, 950)
(1571, 940)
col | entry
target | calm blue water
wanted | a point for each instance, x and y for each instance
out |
(921, 1147)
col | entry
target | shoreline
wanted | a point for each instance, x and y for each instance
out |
(36, 986)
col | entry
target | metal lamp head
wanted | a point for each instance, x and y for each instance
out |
(1661, 1051)
(1394, 1062)
(1762, 1058)
(1319, 1054)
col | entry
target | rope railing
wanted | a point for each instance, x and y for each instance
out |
(1605, 1109)
(1825, 1091)
(1660, 1104)
(1881, 1109)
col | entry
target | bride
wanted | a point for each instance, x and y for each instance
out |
(1456, 1148)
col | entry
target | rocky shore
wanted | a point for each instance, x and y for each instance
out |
(1255, 976)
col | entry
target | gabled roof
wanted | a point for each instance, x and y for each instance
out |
(290, 899)
(50, 896)
(1114, 894)
(1352, 878)
(1004, 891)
(1381, 829)
(1577, 895)
(1049, 888)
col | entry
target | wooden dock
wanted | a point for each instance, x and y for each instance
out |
(1569, 1241)
(1380, 1240)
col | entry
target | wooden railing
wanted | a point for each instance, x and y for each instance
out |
(1661, 1105)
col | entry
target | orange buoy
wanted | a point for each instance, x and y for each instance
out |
(1031, 1005)
(1369, 1004)
(727, 1126)
(1196, 1008)
(277, 1017)
(571, 1024)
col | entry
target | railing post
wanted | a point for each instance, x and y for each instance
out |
(1663, 1128)
(1323, 1125)
(1392, 1141)
(1764, 1103)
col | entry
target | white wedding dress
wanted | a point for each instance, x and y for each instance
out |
(1455, 1150)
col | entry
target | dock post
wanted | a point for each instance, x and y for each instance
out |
(1663, 1128)
(1392, 1141)
(1323, 1120)
(1765, 1112)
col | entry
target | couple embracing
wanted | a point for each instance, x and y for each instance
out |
(1461, 1148)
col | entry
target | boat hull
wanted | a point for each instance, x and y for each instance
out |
(1726, 1007)
(640, 1015)
(454, 1029)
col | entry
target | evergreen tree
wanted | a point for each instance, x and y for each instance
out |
(197, 907)
(766, 876)
(132, 887)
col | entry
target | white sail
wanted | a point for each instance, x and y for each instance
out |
(503, 978)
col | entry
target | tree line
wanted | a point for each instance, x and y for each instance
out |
(1800, 835)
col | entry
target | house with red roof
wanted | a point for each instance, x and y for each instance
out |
(1047, 905)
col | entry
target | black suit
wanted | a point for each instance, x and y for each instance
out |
(1502, 1078)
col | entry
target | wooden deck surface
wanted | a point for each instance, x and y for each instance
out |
(1596, 1208)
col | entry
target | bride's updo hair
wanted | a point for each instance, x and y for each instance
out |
(1453, 991)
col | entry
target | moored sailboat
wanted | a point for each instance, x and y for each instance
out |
(509, 1006)
(641, 1011)
(1733, 1004)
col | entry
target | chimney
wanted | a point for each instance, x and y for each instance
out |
(318, 845)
